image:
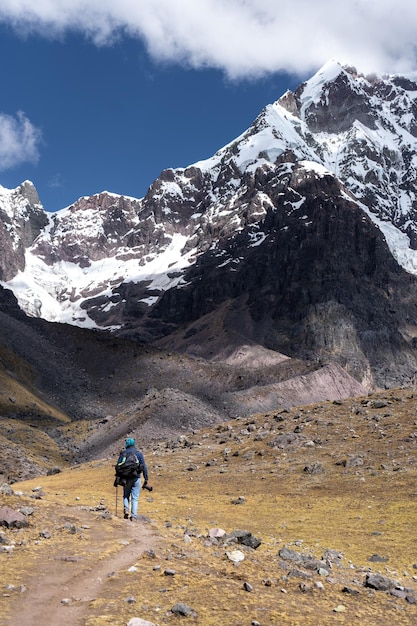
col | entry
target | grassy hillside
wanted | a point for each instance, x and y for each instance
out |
(333, 481)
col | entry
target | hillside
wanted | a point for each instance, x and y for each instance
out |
(69, 394)
(327, 489)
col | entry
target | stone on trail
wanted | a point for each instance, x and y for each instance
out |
(137, 621)
(11, 518)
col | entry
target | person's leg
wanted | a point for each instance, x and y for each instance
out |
(126, 494)
(135, 498)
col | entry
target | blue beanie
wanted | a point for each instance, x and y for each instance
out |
(130, 442)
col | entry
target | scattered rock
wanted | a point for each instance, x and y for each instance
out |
(313, 469)
(45, 534)
(37, 493)
(183, 609)
(17, 588)
(290, 555)
(245, 538)
(379, 582)
(27, 510)
(355, 461)
(216, 533)
(379, 404)
(332, 557)
(71, 528)
(286, 440)
(6, 489)
(247, 586)
(322, 571)
(239, 500)
(53, 470)
(11, 518)
(298, 573)
(375, 558)
(137, 621)
(350, 591)
(235, 555)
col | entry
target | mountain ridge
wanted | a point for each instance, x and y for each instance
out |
(268, 209)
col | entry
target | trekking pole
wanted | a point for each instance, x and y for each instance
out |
(116, 500)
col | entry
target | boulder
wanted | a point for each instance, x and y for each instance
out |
(11, 518)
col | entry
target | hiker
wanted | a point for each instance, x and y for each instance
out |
(130, 465)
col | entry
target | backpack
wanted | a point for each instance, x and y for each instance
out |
(128, 468)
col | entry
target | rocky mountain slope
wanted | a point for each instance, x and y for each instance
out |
(69, 394)
(298, 236)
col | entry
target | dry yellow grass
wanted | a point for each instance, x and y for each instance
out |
(367, 508)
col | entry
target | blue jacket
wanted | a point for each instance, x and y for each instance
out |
(140, 457)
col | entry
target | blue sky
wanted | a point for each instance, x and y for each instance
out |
(111, 118)
(100, 95)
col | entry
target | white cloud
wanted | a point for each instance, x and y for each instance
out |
(240, 37)
(19, 141)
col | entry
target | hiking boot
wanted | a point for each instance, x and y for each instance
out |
(126, 514)
(133, 519)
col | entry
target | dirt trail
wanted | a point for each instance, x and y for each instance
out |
(61, 585)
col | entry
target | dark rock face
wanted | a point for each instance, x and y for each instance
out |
(339, 108)
(9, 305)
(322, 283)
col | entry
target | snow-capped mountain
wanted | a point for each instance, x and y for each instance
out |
(291, 234)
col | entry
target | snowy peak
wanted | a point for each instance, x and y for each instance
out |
(18, 203)
(22, 219)
(364, 129)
